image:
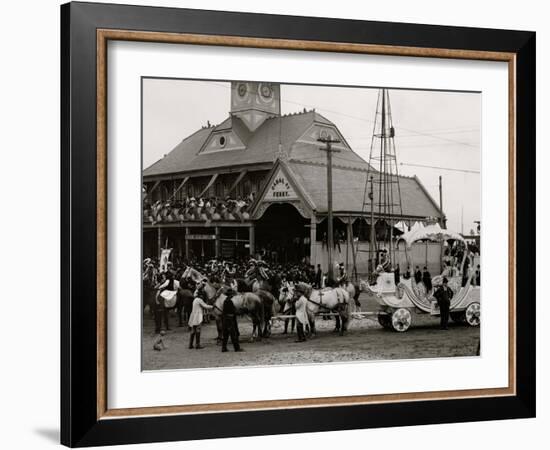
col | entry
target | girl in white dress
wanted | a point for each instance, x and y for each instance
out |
(196, 318)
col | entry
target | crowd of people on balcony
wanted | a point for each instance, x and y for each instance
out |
(199, 209)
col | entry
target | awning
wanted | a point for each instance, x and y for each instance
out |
(431, 232)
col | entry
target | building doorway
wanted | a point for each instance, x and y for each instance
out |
(282, 235)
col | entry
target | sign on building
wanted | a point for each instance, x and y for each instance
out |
(200, 237)
(280, 189)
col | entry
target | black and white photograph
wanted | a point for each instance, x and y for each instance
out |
(301, 224)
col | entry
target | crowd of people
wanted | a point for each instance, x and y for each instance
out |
(197, 209)
(169, 279)
(219, 271)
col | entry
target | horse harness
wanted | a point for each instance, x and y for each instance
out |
(339, 296)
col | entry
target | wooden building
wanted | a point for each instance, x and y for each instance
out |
(271, 162)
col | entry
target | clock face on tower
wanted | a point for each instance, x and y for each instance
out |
(253, 102)
(242, 90)
(265, 92)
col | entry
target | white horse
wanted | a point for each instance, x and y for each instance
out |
(336, 300)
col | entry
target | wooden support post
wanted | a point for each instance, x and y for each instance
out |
(353, 253)
(159, 241)
(186, 244)
(237, 181)
(313, 241)
(426, 253)
(218, 243)
(147, 194)
(179, 243)
(251, 240)
(347, 248)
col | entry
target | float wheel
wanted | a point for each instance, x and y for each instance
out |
(473, 314)
(401, 320)
(384, 320)
(458, 317)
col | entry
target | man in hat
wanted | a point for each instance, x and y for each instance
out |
(417, 275)
(252, 273)
(161, 312)
(229, 322)
(263, 270)
(444, 294)
(385, 260)
(342, 278)
(466, 268)
(318, 277)
(427, 280)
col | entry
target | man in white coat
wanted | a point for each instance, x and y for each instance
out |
(196, 318)
(300, 303)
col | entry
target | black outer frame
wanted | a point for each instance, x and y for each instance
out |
(79, 423)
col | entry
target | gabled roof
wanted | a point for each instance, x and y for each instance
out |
(305, 164)
(348, 184)
(262, 146)
(183, 152)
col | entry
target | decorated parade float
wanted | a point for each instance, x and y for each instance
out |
(400, 298)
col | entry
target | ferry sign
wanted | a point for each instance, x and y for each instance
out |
(280, 189)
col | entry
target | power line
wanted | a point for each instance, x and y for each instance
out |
(439, 144)
(440, 168)
(432, 132)
(354, 161)
(419, 133)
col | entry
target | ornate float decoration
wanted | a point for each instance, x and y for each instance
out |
(399, 303)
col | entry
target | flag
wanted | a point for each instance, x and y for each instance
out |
(164, 258)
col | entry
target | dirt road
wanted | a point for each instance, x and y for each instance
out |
(365, 340)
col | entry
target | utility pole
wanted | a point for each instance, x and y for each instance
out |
(462, 220)
(328, 141)
(442, 220)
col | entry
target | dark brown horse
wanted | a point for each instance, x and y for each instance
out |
(184, 305)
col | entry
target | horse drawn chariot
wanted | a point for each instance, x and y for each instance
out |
(399, 299)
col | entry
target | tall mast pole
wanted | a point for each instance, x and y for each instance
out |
(372, 230)
(382, 202)
(388, 197)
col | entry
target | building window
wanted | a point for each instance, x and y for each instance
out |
(247, 188)
(164, 195)
(218, 190)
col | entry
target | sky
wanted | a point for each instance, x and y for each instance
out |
(437, 129)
